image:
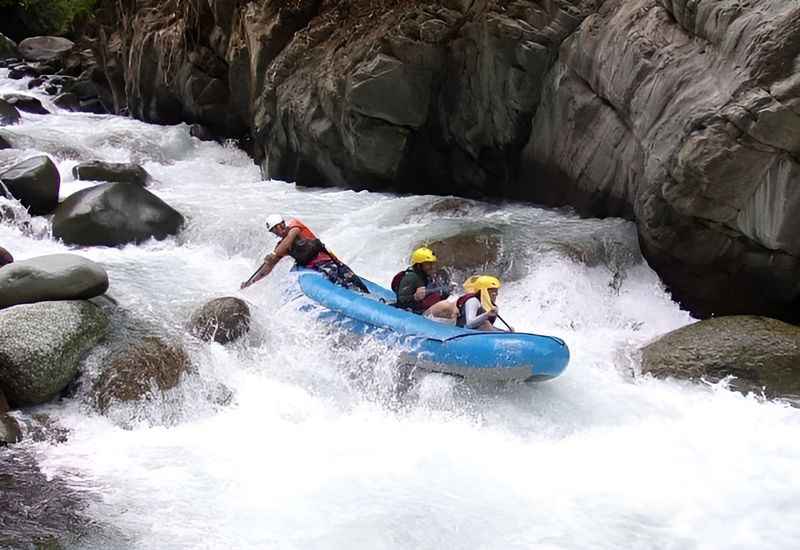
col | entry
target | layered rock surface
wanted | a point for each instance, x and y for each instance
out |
(681, 114)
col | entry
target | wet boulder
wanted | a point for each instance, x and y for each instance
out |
(26, 103)
(203, 133)
(51, 277)
(35, 182)
(8, 114)
(4, 143)
(45, 48)
(94, 106)
(4, 406)
(135, 372)
(114, 214)
(122, 172)
(68, 102)
(222, 320)
(5, 257)
(761, 353)
(485, 251)
(8, 48)
(9, 430)
(41, 346)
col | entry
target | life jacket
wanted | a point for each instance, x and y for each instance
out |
(306, 248)
(461, 320)
(305, 232)
(418, 307)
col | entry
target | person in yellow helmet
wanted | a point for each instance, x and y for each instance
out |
(477, 309)
(418, 291)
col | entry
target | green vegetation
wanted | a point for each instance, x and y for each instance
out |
(49, 16)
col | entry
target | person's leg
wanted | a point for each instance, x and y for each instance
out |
(340, 274)
(443, 310)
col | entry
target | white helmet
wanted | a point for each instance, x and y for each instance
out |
(273, 220)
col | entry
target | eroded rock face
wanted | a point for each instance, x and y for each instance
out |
(682, 115)
(51, 277)
(41, 346)
(135, 372)
(113, 214)
(222, 320)
(686, 117)
(763, 354)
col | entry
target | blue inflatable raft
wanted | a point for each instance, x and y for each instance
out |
(436, 346)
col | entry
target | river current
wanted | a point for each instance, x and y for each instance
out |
(311, 448)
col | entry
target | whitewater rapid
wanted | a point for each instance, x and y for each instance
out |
(314, 450)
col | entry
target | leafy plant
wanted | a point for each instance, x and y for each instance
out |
(49, 16)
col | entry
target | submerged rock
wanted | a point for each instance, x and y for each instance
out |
(762, 353)
(38, 511)
(44, 48)
(35, 182)
(222, 320)
(138, 370)
(67, 101)
(471, 253)
(51, 277)
(8, 113)
(114, 214)
(122, 172)
(5, 257)
(41, 346)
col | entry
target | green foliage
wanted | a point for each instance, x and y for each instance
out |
(49, 16)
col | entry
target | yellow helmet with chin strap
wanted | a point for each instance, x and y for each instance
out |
(480, 284)
(422, 255)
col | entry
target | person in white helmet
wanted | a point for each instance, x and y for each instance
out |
(299, 242)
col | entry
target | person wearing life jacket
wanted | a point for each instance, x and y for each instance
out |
(477, 309)
(416, 291)
(300, 243)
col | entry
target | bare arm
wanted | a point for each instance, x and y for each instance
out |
(272, 259)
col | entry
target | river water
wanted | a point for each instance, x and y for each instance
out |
(314, 449)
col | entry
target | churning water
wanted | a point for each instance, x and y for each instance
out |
(312, 449)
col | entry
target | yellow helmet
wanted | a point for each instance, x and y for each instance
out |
(480, 284)
(422, 255)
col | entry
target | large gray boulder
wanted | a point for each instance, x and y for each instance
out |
(122, 172)
(8, 113)
(45, 48)
(114, 214)
(222, 320)
(762, 353)
(136, 371)
(41, 346)
(35, 182)
(49, 278)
